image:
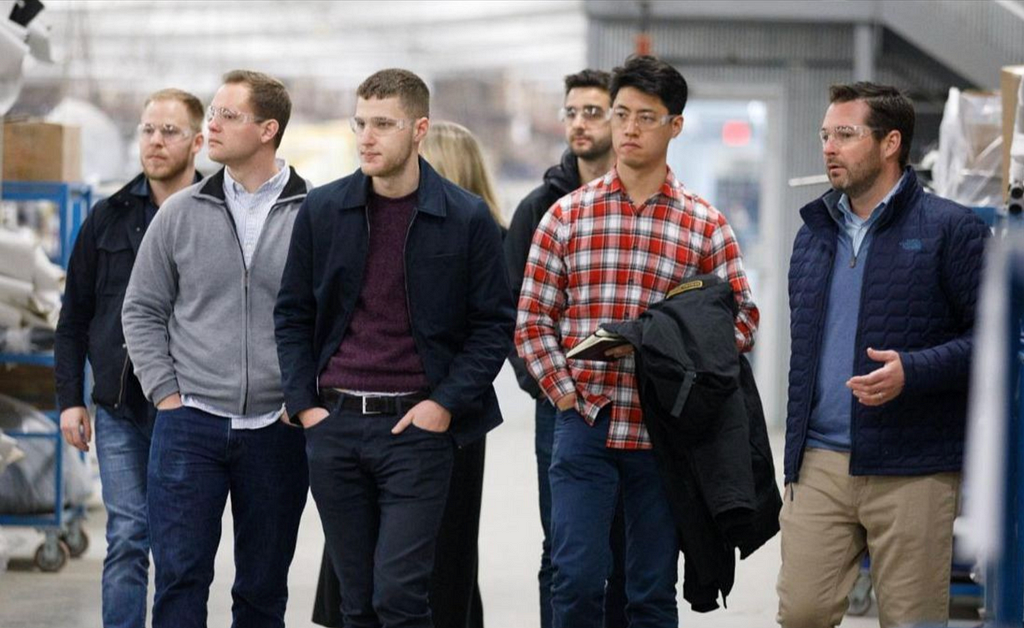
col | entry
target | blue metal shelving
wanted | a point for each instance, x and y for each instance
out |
(73, 200)
(62, 527)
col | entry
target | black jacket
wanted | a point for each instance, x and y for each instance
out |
(460, 305)
(90, 318)
(704, 415)
(559, 180)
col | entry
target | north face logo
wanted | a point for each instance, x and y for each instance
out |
(911, 244)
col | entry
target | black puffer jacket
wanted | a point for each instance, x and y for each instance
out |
(704, 415)
(559, 180)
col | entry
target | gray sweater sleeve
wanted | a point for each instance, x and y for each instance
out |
(147, 309)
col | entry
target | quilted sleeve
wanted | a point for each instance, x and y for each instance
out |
(946, 367)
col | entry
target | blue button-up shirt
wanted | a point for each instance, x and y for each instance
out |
(829, 426)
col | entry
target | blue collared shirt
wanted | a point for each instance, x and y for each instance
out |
(250, 211)
(829, 426)
(855, 227)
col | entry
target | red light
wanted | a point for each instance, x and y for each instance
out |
(736, 133)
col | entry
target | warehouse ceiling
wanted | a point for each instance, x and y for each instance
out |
(149, 44)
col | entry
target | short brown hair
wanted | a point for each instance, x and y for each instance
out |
(192, 105)
(889, 110)
(267, 96)
(412, 92)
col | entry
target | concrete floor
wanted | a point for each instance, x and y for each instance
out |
(510, 540)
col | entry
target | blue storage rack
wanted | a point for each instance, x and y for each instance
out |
(1005, 602)
(73, 200)
(64, 536)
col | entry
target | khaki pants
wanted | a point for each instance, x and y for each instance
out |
(828, 520)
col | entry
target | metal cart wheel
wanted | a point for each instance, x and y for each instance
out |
(52, 554)
(76, 538)
(860, 597)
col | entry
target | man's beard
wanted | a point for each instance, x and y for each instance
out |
(596, 151)
(171, 171)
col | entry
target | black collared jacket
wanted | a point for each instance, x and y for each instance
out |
(458, 295)
(90, 317)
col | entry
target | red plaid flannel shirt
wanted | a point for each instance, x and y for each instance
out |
(597, 258)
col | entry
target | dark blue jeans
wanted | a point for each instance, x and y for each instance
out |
(196, 460)
(122, 449)
(543, 442)
(586, 479)
(381, 497)
(615, 593)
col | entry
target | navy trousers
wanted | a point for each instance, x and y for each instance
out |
(381, 497)
(195, 461)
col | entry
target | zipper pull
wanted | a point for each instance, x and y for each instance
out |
(853, 262)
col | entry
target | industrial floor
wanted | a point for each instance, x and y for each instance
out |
(510, 539)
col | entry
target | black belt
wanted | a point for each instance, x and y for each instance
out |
(396, 405)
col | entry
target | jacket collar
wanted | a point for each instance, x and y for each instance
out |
(564, 177)
(128, 195)
(817, 218)
(429, 194)
(213, 188)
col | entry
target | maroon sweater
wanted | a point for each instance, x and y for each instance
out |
(377, 353)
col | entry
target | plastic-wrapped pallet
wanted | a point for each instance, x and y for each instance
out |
(28, 486)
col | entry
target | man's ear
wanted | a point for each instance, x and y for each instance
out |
(892, 143)
(419, 129)
(270, 129)
(197, 143)
(677, 125)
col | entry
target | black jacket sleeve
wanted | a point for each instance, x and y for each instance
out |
(517, 249)
(71, 342)
(295, 320)
(491, 318)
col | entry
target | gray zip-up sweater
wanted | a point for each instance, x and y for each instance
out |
(195, 320)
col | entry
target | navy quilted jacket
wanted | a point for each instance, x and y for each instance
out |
(918, 298)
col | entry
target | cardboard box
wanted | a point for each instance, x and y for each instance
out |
(29, 383)
(1008, 86)
(42, 151)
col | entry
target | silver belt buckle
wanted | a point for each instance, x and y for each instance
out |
(365, 411)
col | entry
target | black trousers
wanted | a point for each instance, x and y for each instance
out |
(455, 600)
(381, 498)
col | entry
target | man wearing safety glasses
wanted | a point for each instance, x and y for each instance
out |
(882, 285)
(169, 136)
(198, 320)
(584, 115)
(394, 318)
(604, 253)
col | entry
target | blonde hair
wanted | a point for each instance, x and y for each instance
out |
(453, 151)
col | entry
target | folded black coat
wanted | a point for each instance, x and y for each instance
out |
(704, 415)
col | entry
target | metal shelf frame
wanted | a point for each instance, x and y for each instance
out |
(73, 199)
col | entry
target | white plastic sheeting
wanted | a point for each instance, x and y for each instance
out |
(985, 451)
(29, 485)
(30, 284)
(969, 165)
